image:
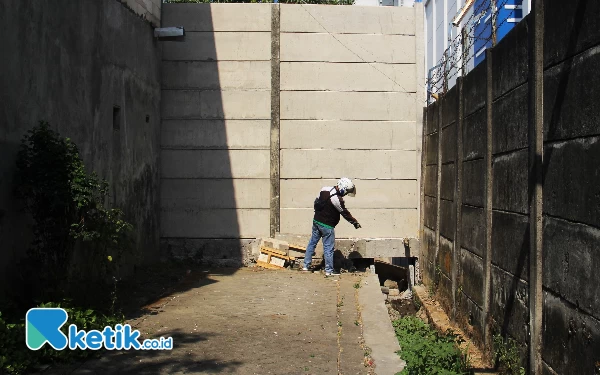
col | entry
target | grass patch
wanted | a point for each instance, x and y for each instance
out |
(508, 356)
(427, 351)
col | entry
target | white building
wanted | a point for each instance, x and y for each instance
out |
(444, 22)
(396, 3)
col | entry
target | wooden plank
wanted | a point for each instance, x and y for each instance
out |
(298, 248)
(273, 251)
(267, 265)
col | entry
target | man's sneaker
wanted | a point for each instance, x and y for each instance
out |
(334, 273)
(305, 269)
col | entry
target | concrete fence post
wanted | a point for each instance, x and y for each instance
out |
(536, 159)
(275, 213)
(438, 193)
(458, 166)
(487, 266)
(423, 180)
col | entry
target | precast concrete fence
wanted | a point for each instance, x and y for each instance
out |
(263, 104)
(511, 202)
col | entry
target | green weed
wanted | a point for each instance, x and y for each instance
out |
(507, 354)
(427, 351)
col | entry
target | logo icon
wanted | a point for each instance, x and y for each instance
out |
(42, 325)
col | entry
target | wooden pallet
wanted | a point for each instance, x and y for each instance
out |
(273, 259)
(276, 259)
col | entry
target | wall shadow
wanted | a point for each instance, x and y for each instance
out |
(200, 211)
(68, 63)
(149, 293)
(174, 361)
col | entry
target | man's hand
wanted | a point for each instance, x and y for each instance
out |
(356, 225)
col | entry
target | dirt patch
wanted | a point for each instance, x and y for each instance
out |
(435, 315)
(404, 307)
(150, 286)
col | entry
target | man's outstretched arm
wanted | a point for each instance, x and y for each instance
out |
(341, 207)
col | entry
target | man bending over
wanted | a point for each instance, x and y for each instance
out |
(328, 208)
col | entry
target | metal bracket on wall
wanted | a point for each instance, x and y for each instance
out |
(169, 32)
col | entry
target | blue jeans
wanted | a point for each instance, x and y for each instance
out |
(328, 235)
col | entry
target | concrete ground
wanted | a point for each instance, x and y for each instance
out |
(256, 321)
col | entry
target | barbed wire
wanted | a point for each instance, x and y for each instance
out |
(451, 61)
(460, 52)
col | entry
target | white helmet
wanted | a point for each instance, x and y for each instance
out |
(346, 187)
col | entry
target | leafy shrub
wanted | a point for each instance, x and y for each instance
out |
(70, 220)
(16, 358)
(508, 356)
(14, 355)
(75, 239)
(427, 351)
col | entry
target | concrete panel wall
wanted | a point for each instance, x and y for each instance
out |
(212, 75)
(220, 46)
(69, 63)
(218, 17)
(215, 134)
(215, 163)
(380, 223)
(208, 193)
(216, 120)
(357, 48)
(346, 85)
(374, 194)
(331, 105)
(430, 192)
(494, 223)
(373, 164)
(198, 104)
(347, 20)
(348, 108)
(349, 135)
(348, 77)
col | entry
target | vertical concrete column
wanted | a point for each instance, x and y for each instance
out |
(536, 160)
(458, 169)
(275, 125)
(422, 182)
(422, 253)
(439, 191)
(487, 204)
